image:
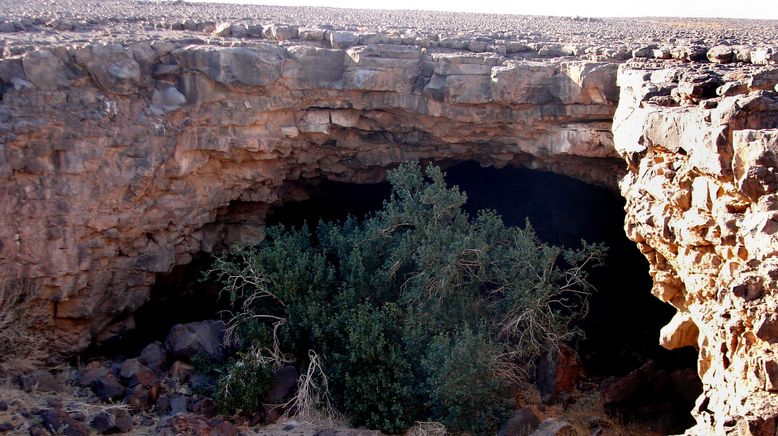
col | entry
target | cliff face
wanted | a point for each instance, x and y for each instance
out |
(701, 205)
(120, 161)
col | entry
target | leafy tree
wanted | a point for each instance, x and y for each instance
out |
(418, 311)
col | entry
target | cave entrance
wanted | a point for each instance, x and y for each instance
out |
(623, 322)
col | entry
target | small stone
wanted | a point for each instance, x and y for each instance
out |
(3, 406)
(154, 355)
(178, 404)
(54, 402)
(555, 427)
(138, 398)
(204, 407)
(181, 371)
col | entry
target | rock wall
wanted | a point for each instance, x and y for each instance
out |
(702, 150)
(120, 162)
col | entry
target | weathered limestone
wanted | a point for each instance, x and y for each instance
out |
(701, 200)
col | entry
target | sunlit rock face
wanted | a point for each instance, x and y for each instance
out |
(701, 205)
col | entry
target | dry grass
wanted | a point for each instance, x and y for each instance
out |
(18, 323)
(311, 402)
(73, 400)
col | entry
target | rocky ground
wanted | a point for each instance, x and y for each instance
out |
(164, 391)
(48, 22)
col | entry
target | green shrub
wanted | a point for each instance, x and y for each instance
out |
(243, 385)
(417, 310)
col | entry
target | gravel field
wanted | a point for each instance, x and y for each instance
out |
(26, 23)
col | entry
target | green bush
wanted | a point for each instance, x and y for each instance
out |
(418, 311)
(243, 384)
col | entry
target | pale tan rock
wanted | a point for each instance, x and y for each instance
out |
(712, 255)
(679, 332)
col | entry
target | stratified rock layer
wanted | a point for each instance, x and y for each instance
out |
(119, 161)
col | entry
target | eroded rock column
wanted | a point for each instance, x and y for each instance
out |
(702, 206)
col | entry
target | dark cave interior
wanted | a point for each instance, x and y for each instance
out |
(624, 319)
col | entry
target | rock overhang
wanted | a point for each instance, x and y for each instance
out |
(127, 153)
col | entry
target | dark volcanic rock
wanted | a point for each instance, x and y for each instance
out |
(40, 381)
(57, 421)
(558, 372)
(187, 340)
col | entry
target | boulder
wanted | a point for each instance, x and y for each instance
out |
(154, 356)
(312, 67)
(721, 54)
(108, 387)
(517, 83)
(754, 162)
(652, 394)
(558, 372)
(132, 372)
(179, 404)
(115, 420)
(39, 381)
(680, 332)
(44, 70)
(168, 98)
(205, 407)
(188, 340)
(342, 39)
(764, 55)
(87, 376)
(58, 421)
(280, 32)
(181, 371)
